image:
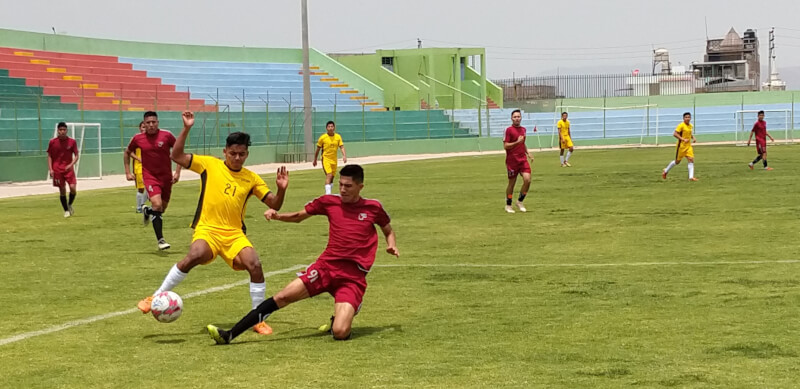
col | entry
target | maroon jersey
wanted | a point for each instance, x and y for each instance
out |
(61, 152)
(760, 130)
(156, 163)
(351, 235)
(517, 154)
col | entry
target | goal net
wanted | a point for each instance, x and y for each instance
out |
(635, 124)
(90, 146)
(779, 124)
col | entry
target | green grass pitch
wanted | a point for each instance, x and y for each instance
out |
(614, 278)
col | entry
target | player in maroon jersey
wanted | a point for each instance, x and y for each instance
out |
(342, 268)
(155, 145)
(62, 155)
(760, 131)
(517, 157)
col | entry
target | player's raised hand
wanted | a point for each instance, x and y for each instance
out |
(393, 251)
(188, 119)
(282, 178)
(271, 214)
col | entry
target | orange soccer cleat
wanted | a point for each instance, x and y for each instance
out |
(768, 168)
(693, 179)
(144, 305)
(664, 174)
(263, 328)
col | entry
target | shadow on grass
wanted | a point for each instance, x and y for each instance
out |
(357, 332)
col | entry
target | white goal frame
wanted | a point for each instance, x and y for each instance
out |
(71, 127)
(744, 126)
(645, 118)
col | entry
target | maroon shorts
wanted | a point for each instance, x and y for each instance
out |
(516, 168)
(344, 280)
(158, 187)
(61, 179)
(761, 146)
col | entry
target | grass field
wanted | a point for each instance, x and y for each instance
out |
(613, 278)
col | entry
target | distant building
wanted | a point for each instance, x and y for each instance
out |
(731, 64)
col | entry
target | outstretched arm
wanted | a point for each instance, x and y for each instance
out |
(294, 217)
(178, 155)
(391, 240)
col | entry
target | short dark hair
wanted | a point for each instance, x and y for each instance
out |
(760, 112)
(329, 123)
(61, 124)
(140, 123)
(687, 113)
(356, 172)
(515, 111)
(564, 113)
(238, 138)
(150, 113)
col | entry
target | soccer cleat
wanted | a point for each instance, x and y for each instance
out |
(567, 164)
(217, 334)
(767, 168)
(145, 216)
(162, 244)
(563, 165)
(521, 207)
(71, 211)
(751, 165)
(67, 214)
(693, 179)
(262, 328)
(144, 305)
(664, 174)
(327, 327)
(138, 209)
(509, 209)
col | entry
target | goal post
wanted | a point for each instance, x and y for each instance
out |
(779, 124)
(88, 137)
(635, 124)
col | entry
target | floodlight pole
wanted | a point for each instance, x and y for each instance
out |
(307, 129)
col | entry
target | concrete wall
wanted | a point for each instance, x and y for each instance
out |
(34, 168)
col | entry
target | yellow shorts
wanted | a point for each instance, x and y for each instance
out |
(226, 244)
(329, 166)
(683, 152)
(137, 171)
(566, 143)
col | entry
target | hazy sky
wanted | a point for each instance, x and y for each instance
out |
(521, 37)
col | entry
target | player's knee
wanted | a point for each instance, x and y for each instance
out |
(341, 331)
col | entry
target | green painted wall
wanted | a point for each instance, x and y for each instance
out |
(439, 64)
(81, 45)
(398, 92)
(34, 168)
(344, 74)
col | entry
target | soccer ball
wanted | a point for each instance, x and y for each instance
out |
(166, 307)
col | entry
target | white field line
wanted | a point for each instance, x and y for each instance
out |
(88, 320)
(683, 263)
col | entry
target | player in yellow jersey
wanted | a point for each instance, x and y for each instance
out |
(219, 222)
(329, 143)
(565, 140)
(684, 147)
(141, 195)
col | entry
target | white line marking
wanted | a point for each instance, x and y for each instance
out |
(88, 320)
(714, 263)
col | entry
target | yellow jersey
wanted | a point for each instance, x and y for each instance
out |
(563, 128)
(685, 131)
(330, 146)
(137, 166)
(224, 193)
